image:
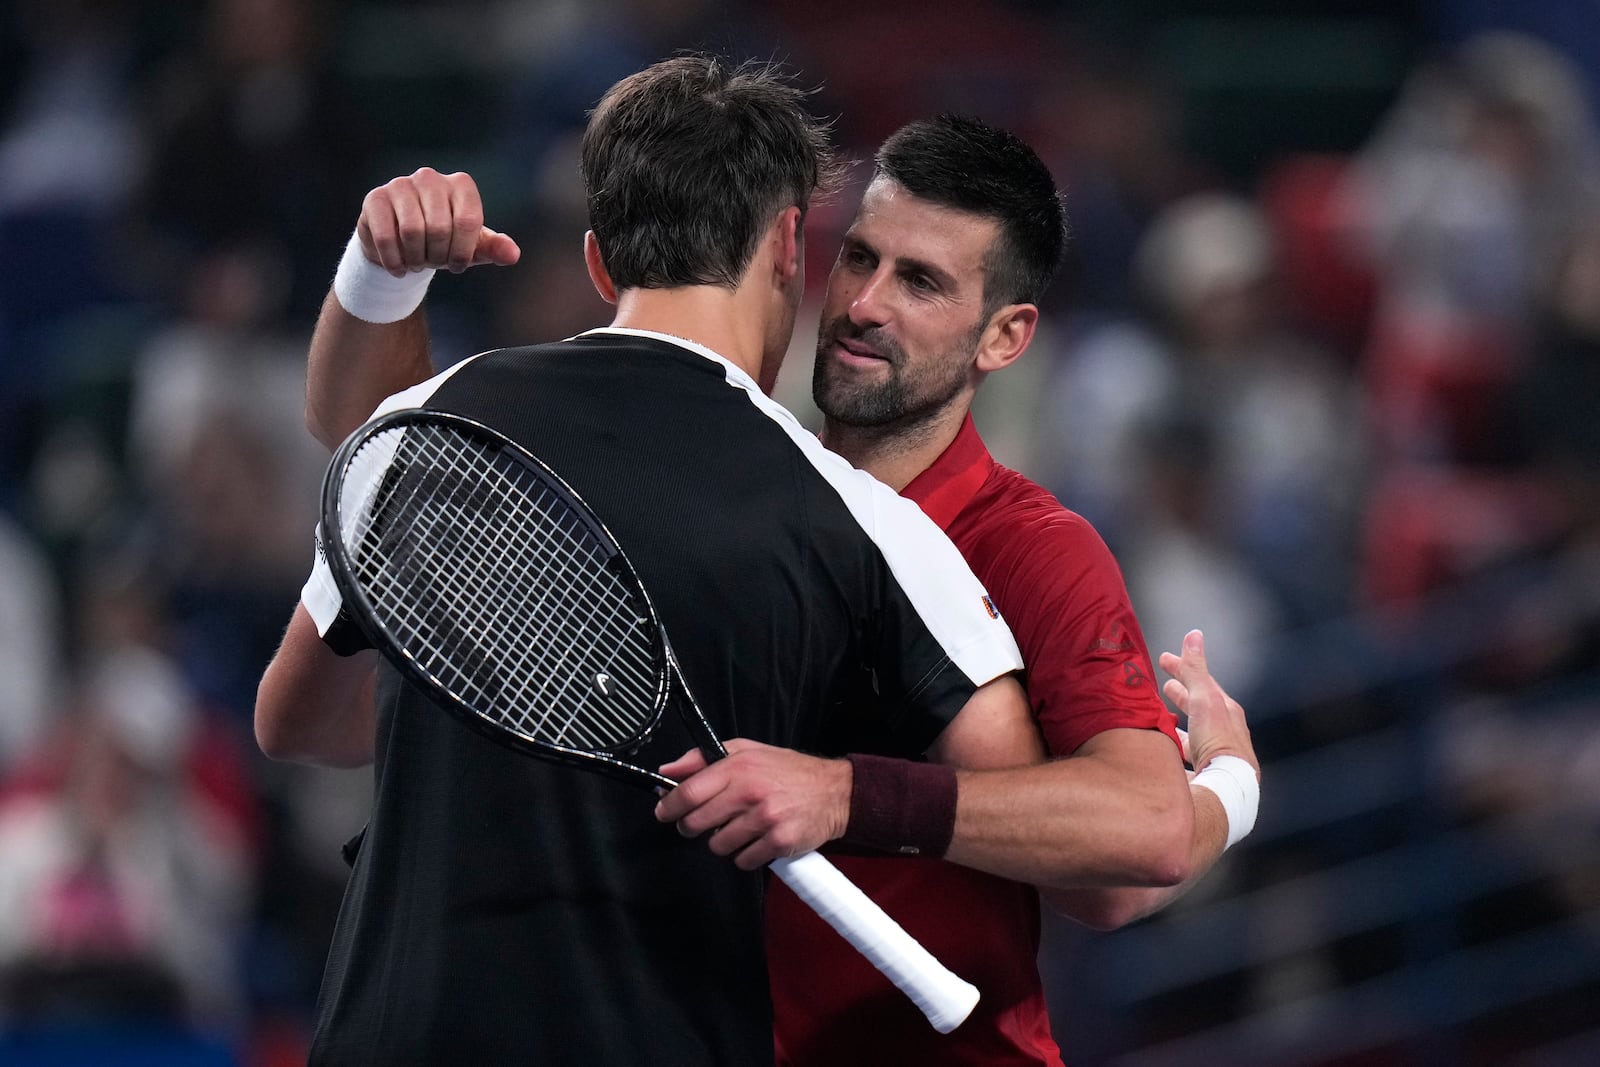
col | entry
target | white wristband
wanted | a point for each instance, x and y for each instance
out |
(372, 294)
(320, 594)
(1233, 781)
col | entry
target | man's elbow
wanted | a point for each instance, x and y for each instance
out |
(273, 737)
(273, 746)
(318, 427)
(1165, 858)
(285, 744)
(280, 734)
(318, 734)
(1103, 910)
(1169, 870)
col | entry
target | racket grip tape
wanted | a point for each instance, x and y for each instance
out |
(945, 998)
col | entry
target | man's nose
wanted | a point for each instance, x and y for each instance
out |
(870, 305)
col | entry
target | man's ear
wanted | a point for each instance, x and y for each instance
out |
(1007, 336)
(790, 235)
(597, 268)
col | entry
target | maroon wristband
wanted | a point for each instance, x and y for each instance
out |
(901, 806)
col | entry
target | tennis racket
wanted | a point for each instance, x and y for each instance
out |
(489, 583)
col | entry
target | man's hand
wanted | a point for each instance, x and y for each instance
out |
(1217, 724)
(371, 340)
(428, 219)
(760, 803)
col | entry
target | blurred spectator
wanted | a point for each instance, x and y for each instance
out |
(1109, 124)
(122, 890)
(1287, 423)
(1284, 422)
(228, 479)
(1551, 626)
(1552, 407)
(255, 143)
(70, 155)
(30, 641)
(1520, 750)
(1112, 379)
(70, 158)
(70, 139)
(1466, 192)
(1329, 284)
(881, 64)
(219, 452)
(1182, 570)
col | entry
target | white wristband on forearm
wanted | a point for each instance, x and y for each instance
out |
(372, 294)
(320, 594)
(1233, 781)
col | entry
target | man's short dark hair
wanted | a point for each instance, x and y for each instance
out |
(686, 162)
(964, 163)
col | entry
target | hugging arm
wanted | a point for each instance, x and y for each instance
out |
(1109, 834)
(1119, 816)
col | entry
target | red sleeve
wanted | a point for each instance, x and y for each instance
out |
(1088, 670)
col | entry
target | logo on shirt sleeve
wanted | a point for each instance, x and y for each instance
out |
(1117, 641)
(988, 605)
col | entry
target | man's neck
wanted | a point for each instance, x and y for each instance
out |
(896, 454)
(720, 319)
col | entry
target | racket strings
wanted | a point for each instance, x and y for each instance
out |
(508, 667)
(504, 668)
(544, 626)
(578, 635)
(483, 575)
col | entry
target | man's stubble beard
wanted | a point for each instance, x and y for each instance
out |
(899, 402)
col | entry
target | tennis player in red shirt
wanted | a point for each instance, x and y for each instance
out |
(936, 287)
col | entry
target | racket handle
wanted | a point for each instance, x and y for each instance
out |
(942, 996)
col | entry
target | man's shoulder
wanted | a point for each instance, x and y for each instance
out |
(1031, 550)
(1016, 511)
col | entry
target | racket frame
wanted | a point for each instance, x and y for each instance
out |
(360, 608)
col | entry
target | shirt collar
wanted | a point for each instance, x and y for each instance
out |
(950, 483)
(736, 374)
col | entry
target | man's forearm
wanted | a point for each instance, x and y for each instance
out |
(353, 365)
(1110, 908)
(1117, 813)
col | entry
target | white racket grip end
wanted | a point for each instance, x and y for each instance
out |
(945, 998)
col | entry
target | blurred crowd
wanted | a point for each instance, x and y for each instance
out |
(1337, 390)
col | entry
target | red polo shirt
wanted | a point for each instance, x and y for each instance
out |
(1060, 589)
